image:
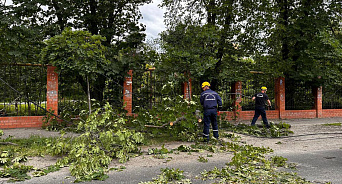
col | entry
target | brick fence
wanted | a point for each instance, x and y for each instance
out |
(279, 113)
(51, 105)
(238, 114)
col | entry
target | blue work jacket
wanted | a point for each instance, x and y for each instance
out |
(210, 100)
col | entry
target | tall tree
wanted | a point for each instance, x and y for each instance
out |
(78, 54)
(289, 37)
(283, 37)
(220, 16)
(18, 43)
(117, 21)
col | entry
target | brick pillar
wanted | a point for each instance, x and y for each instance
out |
(187, 90)
(318, 101)
(127, 93)
(236, 89)
(52, 90)
(280, 96)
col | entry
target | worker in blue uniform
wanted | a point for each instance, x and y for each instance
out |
(211, 103)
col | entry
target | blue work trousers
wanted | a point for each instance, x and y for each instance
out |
(260, 111)
(210, 116)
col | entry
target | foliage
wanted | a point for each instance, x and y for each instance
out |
(115, 20)
(121, 168)
(12, 156)
(332, 124)
(275, 130)
(17, 172)
(26, 24)
(217, 28)
(19, 44)
(294, 45)
(249, 165)
(69, 117)
(51, 123)
(32, 146)
(202, 159)
(75, 51)
(169, 176)
(163, 150)
(279, 161)
(104, 138)
(296, 39)
(173, 115)
(9, 157)
(43, 172)
(187, 48)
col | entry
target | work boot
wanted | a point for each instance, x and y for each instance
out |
(219, 141)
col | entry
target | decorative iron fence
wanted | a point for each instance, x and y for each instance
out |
(73, 97)
(298, 95)
(149, 89)
(30, 81)
(251, 87)
(224, 90)
(332, 97)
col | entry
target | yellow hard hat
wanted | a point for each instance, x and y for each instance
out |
(263, 88)
(205, 84)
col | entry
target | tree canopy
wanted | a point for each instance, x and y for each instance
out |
(297, 39)
(25, 25)
(205, 40)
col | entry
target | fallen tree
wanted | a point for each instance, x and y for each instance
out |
(104, 138)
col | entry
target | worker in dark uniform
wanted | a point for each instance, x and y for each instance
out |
(260, 103)
(211, 103)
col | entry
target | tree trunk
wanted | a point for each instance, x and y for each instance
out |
(96, 92)
(88, 92)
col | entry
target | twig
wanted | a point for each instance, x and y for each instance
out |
(165, 124)
(8, 143)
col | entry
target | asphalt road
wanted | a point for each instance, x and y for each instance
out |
(316, 150)
(318, 166)
(134, 175)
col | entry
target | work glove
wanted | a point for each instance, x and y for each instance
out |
(219, 108)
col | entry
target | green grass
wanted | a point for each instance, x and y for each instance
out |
(22, 109)
(332, 124)
(32, 146)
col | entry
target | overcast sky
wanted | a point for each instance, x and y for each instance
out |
(153, 19)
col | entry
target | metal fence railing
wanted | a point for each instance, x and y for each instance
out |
(332, 97)
(298, 95)
(224, 89)
(73, 96)
(151, 89)
(30, 81)
(251, 87)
